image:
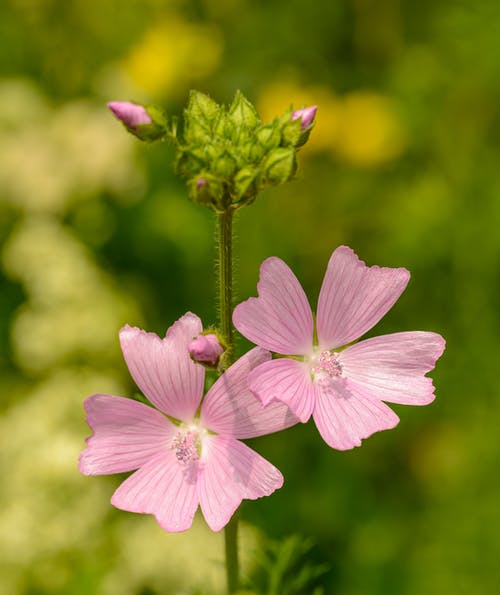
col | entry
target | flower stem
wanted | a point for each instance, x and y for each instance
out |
(231, 549)
(225, 287)
(225, 282)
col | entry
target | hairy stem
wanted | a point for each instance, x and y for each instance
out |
(225, 283)
(225, 288)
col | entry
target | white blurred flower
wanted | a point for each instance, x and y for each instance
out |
(61, 156)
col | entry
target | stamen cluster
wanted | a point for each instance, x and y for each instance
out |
(327, 363)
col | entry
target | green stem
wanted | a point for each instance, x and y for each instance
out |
(231, 549)
(225, 282)
(225, 270)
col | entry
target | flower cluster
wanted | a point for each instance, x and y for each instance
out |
(187, 449)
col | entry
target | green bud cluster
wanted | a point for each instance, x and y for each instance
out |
(228, 155)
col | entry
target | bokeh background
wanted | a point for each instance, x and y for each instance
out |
(95, 231)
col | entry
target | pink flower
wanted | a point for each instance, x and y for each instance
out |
(206, 349)
(131, 114)
(306, 114)
(196, 460)
(342, 386)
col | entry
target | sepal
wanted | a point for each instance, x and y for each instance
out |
(146, 122)
(243, 114)
(199, 117)
(280, 166)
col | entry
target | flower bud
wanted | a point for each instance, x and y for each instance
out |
(280, 165)
(242, 113)
(131, 114)
(199, 118)
(268, 136)
(306, 115)
(245, 183)
(205, 189)
(200, 183)
(206, 349)
(225, 165)
(147, 123)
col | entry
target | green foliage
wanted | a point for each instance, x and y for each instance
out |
(283, 568)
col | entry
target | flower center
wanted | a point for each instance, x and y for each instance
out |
(187, 445)
(326, 365)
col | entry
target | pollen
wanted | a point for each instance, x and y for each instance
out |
(326, 364)
(186, 446)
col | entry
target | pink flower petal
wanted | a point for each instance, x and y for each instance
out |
(163, 369)
(231, 409)
(344, 418)
(392, 367)
(280, 319)
(285, 380)
(354, 297)
(231, 472)
(164, 487)
(126, 435)
(306, 114)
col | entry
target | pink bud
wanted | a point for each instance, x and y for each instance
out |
(200, 182)
(131, 114)
(306, 115)
(206, 349)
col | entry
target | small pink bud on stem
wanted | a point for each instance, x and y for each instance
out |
(147, 123)
(206, 349)
(131, 114)
(306, 114)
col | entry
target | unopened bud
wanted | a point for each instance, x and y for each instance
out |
(245, 183)
(205, 189)
(242, 113)
(268, 136)
(131, 114)
(306, 115)
(280, 166)
(147, 123)
(206, 349)
(200, 183)
(225, 165)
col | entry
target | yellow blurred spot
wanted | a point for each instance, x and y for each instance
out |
(369, 133)
(173, 53)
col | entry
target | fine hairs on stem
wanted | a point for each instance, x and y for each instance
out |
(225, 293)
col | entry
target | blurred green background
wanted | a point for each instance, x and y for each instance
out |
(96, 232)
